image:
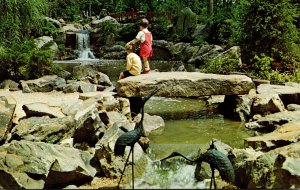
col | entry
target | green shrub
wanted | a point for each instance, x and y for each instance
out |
(269, 27)
(160, 29)
(222, 65)
(262, 68)
(25, 61)
(128, 32)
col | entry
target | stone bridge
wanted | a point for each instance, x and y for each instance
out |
(184, 84)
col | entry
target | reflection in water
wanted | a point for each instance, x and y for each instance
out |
(202, 131)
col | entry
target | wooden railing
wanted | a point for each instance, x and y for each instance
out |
(134, 16)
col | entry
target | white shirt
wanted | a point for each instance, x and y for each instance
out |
(141, 35)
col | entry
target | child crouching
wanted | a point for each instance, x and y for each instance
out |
(134, 63)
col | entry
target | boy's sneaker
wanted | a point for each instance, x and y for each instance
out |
(146, 71)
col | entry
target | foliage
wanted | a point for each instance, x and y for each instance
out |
(199, 42)
(222, 65)
(25, 61)
(269, 27)
(128, 32)
(18, 18)
(262, 68)
(160, 28)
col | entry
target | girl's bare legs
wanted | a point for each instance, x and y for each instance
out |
(121, 76)
(146, 64)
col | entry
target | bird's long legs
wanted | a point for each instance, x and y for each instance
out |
(212, 178)
(132, 167)
(131, 150)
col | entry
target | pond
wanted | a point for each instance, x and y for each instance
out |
(190, 124)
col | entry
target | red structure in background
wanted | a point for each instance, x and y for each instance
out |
(134, 16)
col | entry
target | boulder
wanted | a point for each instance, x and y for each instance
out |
(111, 52)
(55, 22)
(162, 50)
(72, 28)
(80, 86)
(114, 117)
(9, 84)
(288, 94)
(287, 134)
(273, 121)
(44, 129)
(46, 83)
(278, 168)
(89, 126)
(41, 109)
(186, 23)
(267, 103)
(153, 124)
(96, 23)
(96, 95)
(6, 115)
(107, 25)
(45, 40)
(37, 165)
(184, 84)
(91, 70)
(238, 107)
(293, 107)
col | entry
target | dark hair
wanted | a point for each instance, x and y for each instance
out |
(144, 23)
(129, 47)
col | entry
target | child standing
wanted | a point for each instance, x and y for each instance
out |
(144, 37)
(134, 63)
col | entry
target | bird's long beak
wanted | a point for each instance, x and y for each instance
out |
(170, 156)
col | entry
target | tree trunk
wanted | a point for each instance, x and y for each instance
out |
(210, 7)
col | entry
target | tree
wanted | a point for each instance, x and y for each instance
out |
(18, 18)
(269, 27)
(210, 7)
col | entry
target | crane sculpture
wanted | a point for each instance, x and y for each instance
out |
(129, 138)
(216, 160)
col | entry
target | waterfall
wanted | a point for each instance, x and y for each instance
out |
(83, 46)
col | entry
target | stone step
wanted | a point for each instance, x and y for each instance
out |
(184, 84)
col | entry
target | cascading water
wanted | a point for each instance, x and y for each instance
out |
(177, 175)
(83, 46)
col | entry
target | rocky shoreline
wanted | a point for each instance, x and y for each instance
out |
(66, 129)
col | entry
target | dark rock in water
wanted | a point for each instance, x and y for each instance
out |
(6, 115)
(37, 165)
(9, 84)
(44, 84)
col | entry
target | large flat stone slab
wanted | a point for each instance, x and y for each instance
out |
(288, 94)
(287, 134)
(184, 84)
